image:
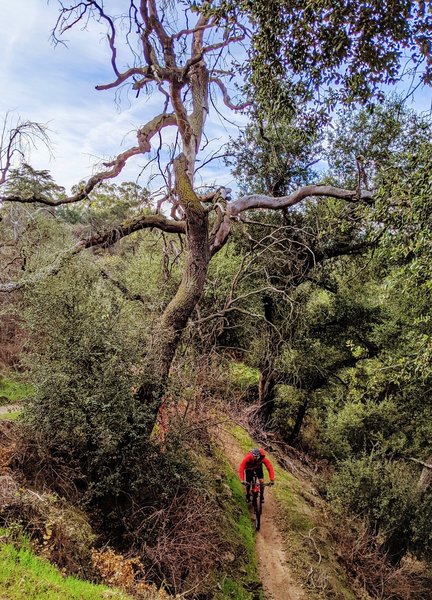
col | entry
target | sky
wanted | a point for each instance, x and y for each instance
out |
(55, 85)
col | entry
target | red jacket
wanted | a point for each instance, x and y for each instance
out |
(249, 462)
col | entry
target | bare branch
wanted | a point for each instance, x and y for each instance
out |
(122, 77)
(165, 40)
(226, 42)
(225, 96)
(196, 29)
(152, 127)
(255, 201)
(113, 235)
(15, 141)
(117, 166)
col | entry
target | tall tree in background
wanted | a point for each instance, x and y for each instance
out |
(185, 55)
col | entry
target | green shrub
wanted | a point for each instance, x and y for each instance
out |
(383, 492)
(362, 426)
(287, 403)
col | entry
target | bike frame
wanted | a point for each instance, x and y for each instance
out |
(255, 489)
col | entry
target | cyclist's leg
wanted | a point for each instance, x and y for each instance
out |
(249, 476)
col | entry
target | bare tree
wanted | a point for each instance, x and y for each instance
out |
(186, 56)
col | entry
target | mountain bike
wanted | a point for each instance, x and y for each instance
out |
(255, 491)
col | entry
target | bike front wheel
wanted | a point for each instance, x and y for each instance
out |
(257, 511)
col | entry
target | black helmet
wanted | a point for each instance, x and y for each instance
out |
(256, 453)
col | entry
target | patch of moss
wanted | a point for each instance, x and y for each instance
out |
(9, 416)
(14, 390)
(243, 376)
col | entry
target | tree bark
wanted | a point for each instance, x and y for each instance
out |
(174, 319)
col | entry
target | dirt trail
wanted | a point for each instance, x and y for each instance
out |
(10, 408)
(276, 578)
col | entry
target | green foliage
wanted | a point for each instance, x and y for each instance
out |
(347, 51)
(79, 363)
(108, 204)
(361, 426)
(288, 400)
(381, 135)
(276, 157)
(378, 489)
(26, 181)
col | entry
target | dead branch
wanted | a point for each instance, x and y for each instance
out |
(15, 140)
(225, 95)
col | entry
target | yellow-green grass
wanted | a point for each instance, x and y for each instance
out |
(303, 525)
(24, 576)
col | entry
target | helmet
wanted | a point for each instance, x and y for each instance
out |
(256, 453)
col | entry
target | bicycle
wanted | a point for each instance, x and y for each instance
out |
(255, 491)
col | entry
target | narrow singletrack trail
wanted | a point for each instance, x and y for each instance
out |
(10, 408)
(277, 580)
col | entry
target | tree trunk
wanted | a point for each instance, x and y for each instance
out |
(173, 321)
(267, 380)
(266, 394)
(298, 422)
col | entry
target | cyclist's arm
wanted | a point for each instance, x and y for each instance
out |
(242, 467)
(269, 468)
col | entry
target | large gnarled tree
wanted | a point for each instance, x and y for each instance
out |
(185, 54)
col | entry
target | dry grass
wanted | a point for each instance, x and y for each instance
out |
(125, 573)
(360, 554)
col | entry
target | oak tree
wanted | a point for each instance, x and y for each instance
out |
(186, 52)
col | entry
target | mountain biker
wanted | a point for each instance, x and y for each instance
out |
(253, 462)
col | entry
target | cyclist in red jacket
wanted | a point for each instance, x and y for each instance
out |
(253, 461)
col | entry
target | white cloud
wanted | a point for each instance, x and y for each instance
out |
(55, 85)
